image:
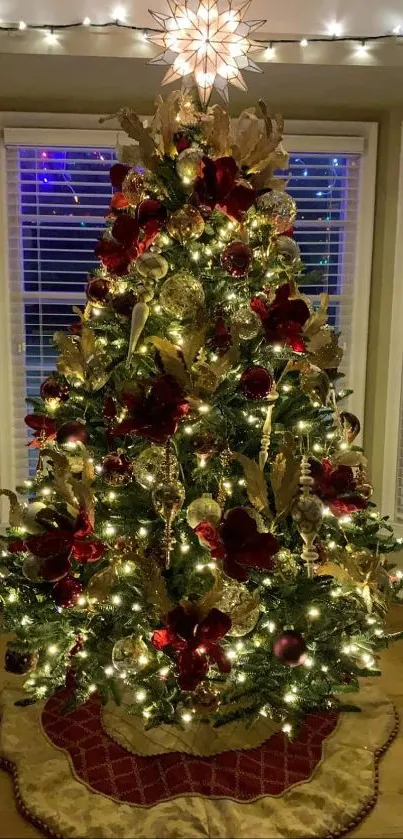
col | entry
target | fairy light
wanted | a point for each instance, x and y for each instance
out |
(241, 678)
(317, 447)
(334, 29)
(184, 548)
(110, 529)
(142, 532)
(141, 696)
(52, 650)
(136, 607)
(164, 672)
(81, 601)
(51, 38)
(286, 388)
(313, 613)
(28, 484)
(92, 688)
(362, 48)
(25, 621)
(277, 348)
(143, 660)
(287, 728)
(116, 600)
(46, 491)
(12, 597)
(119, 14)
(331, 545)
(271, 626)
(112, 496)
(87, 21)
(128, 568)
(303, 42)
(146, 714)
(109, 671)
(22, 25)
(270, 52)
(231, 654)
(345, 520)
(308, 662)
(186, 717)
(290, 698)
(204, 409)
(324, 668)
(188, 429)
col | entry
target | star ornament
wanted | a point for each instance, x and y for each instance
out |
(208, 41)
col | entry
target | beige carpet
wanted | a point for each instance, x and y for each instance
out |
(385, 821)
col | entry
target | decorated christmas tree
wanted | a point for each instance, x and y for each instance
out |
(199, 534)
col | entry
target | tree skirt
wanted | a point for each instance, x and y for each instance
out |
(94, 773)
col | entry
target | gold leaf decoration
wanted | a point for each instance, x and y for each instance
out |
(70, 361)
(134, 128)
(315, 383)
(324, 349)
(227, 361)
(256, 486)
(216, 130)
(100, 584)
(81, 360)
(284, 476)
(62, 477)
(172, 360)
(154, 582)
(318, 319)
(193, 343)
(16, 509)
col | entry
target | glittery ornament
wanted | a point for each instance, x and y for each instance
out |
(290, 648)
(149, 467)
(76, 463)
(204, 509)
(247, 324)
(277, 209)
(124, 303)
(54, 389)
(31, 568)
(351, 425)
(152, 266)
(66, 592)
(133, 188)
(287, 248)
(256, 382)
(117, 469)
(236, 259)
(20, 662)
(73, 431)
(188, 164)
(205, 699)
(168, 498)
(186, 224)
(97, 291)
(205, 445)
(242, 605)
(204, 378)
(29, 517)
(129, 655)
(182, 295)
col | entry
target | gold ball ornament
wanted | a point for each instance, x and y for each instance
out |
(168, 498)
(205, 699)
(307, 512)
(246, 323)
(152, 266)
(288, 248)
(277, 209)
(242, 605)
(203, 509)
(182, 295)
(130, 655)
(186, 224)
(149, 467)
(188, 164)
(133, 188)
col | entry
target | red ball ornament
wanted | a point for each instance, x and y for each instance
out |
(51, 388)
(151, 211)
(117, 468)
(256, 382)
(72, 432)
(55, 568)
(290, 647)
(20, 662)
(97, 291)
(124, 303)
(237, 259)
(66, 592)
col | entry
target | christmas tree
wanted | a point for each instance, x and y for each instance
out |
(199, 533)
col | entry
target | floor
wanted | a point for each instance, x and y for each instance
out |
(385, 821)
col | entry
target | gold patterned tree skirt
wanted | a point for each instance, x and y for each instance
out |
(95, 773)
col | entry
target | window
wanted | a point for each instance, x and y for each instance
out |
(57, 196)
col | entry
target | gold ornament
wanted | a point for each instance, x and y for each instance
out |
(277, 209)
(203, 509)
(242, 605)
(76, 463)
(315, 383)
(287, 248)
(129, 655)
(351, 425)
(151, 266)
(182, 295)
(168, 498)
(286, 563)
(205, 699)
(188, 164)
(29, 517)
(186, 224)
(205, 380)
(133, 188)
(246, 323)
(149, 467)
(100, 584)
(307, 512)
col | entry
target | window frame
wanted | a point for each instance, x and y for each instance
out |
(82, 130)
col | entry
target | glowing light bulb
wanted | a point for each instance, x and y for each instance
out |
(119, 14)
(287, 728)
(92, 688)
(116, 600)
(187, 717)
(270, 53)
(86, 21)
(109, 671)
(52, 650)
(141, 696)
(304, 43)
(334, 29)
(22, 25)
(142, 531)
(362, 48)
(313, 612)
(51, 38)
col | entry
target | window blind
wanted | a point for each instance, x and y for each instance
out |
(57, 200)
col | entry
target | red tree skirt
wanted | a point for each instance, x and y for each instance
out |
(108, 768)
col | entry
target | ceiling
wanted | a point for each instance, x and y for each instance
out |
(97, 71)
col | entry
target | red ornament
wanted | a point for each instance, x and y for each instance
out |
(52, 388)
(151, 214)
(115, 257)
(124, 303)
(154, 414)
(236, 259)
(218, 187)
(283, 319)
(119, 201)
(256, 382)
(126, 230)
(337, 487)
(117, 468)
(238, 544)
(66, 592)
(182, 143)
(72, 432)
(117, 174)
(290, 648)
(97, 291)
(221, 339)
(195, 643)
(44, 429)
(55, 568)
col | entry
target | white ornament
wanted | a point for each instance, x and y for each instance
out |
(207, 40)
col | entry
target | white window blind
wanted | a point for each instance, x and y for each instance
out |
(57, 200)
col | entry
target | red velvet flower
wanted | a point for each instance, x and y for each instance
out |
(115, 256)
(239, 544)
(217, 187)
(221, 338)
(337, 487)
(283, 319)
(154, 414)
(195, 643)
(62, 543)
(117, 174)
(44, 429)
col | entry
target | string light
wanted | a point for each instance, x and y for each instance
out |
(22, 25)
(52, 39)
(270, 52)
(334, 29)
(119, 14)
(304, 43)
(86, 21)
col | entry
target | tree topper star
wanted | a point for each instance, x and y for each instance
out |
(206, 39)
